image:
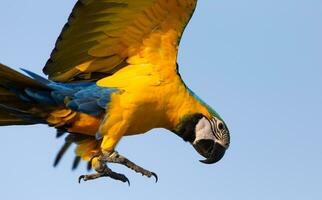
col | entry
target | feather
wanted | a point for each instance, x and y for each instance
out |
(60, 133)
(36, 77)
(76, 162)
(101, 35)
(89, 166)
(40, 96)
(61, 152)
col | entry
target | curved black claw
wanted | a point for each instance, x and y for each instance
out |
(155, 176)
(120, 177)
(80, 178)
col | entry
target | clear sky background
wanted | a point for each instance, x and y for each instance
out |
(258, 63)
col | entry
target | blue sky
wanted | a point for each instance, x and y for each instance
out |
(258, 63)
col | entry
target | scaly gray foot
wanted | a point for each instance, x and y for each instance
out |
(113, 157)
(104, 171)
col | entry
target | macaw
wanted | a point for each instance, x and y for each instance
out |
(114, 73)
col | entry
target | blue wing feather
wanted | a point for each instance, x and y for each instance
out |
(36, 77)
(82, 97)
(90, 108)
(40, 96)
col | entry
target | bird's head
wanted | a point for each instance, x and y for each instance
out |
(209, 136)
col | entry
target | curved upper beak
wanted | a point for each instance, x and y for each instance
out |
(211, 150)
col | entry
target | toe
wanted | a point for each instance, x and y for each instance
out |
(82, 177)
(155, 176)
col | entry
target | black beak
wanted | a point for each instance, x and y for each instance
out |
(217, 153)
(211, 150)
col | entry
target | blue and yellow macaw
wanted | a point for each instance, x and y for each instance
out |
(114, 73)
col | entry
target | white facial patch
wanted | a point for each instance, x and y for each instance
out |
(204, 130)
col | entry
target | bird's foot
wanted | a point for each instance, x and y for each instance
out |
(104, 171)
(113, 157)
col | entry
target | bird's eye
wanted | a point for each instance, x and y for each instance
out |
(221, 126)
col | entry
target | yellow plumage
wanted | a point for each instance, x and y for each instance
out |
(150, 87)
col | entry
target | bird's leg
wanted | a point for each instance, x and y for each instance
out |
(115, 157)
(103, 171)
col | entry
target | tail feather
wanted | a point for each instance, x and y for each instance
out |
(16, 108)
(32, 100)
(8, 119)
(12, 78)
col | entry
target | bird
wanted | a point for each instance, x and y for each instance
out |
(113, 73)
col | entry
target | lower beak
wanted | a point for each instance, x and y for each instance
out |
(212, 151)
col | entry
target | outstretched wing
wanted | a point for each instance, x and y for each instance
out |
(101, 35)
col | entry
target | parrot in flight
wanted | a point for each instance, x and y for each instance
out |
(114, 73)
